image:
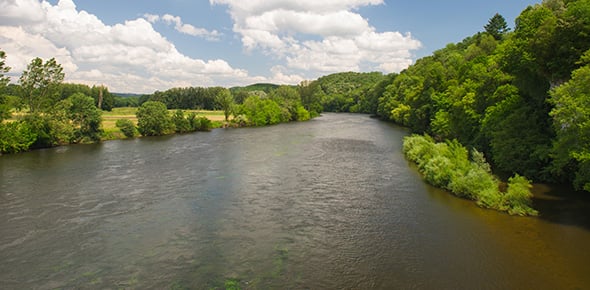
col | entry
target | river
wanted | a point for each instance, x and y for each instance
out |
(325, 204)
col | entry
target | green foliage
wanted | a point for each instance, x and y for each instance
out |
(127, 127)
(497, 26)
(225, 101)
(197, 123)
(85, 117)
(40, 84)
(302, 114)
(4, 69)
(186, 98)
(261, 112)
(518, 197)
(50, 129)
(343, 92)
(232, 284)
(571, 118)
(99, 94)
(181, 124)
(16, 137)
(447, 165)
(153, 119)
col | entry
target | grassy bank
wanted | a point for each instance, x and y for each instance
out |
(450, 166)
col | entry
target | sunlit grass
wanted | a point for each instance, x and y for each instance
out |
(109, 119)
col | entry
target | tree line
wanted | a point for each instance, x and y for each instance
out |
(520, 97)
(41, 111)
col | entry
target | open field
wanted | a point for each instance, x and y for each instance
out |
(110, 118)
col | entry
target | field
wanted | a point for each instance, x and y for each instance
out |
(110, 118)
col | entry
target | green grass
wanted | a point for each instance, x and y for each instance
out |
(110, 118)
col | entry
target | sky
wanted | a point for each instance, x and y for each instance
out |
(140, 46)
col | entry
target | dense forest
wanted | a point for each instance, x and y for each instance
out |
(519, 96)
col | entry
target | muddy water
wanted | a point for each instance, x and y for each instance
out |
(325, 204)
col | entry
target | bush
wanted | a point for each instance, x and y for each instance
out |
(517, 199)
(302, 114)
(127, 127)
(16, 137)
(50, 129)
(447, 165)
(181, 124)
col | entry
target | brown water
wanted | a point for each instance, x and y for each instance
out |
(325, 204)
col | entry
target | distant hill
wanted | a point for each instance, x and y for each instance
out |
(256, 87)
(127, 95)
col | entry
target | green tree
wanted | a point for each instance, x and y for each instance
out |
(497, 26)
(4, 69)
(40, 84)
(571, 118)
(225, 101)
(153, 119)
(85, 116)
(4, 104)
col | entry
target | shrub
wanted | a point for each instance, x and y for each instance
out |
(181, 124)
(127, 127)
(517, 199)
(16, 137)
(447, 165)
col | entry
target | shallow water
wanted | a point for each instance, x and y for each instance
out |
(325, 204)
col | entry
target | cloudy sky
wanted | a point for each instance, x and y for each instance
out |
(140, 46)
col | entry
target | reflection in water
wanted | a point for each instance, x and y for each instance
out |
(329, 203)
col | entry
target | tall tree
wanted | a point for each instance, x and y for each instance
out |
(40, 83)
(497, 26)
(3, 70)
(4, 107)
(225, 101)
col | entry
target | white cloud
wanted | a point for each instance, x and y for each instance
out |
(289, 30)
(127, 57)
(14, 12)
(184, 28)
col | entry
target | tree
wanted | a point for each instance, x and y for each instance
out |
(571, 118)
(40, 83)
(225, 101)
(4, 107)
(497, 26)
(3, 70)
(85, 116)
(153, 119)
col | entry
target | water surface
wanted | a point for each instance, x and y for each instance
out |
(325, 204)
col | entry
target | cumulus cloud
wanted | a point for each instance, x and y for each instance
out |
(184, 28)
(290, 30)
(128, 57)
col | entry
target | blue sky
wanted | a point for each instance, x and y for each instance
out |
(146, 45)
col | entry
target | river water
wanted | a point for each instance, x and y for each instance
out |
(325, 204)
